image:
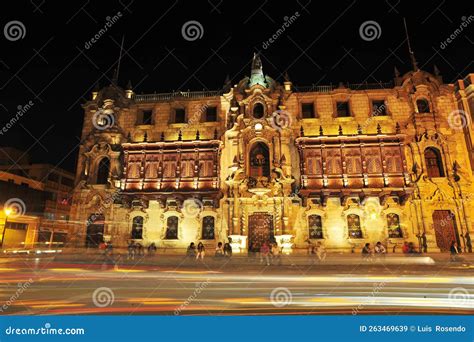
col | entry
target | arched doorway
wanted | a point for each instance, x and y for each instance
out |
(434, 162)
(260, 230)
(259, 161)
(103, 171)
(95, 230)
(444, 223)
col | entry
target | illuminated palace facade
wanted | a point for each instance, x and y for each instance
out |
(263, 160)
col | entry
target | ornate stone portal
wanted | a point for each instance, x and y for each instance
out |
(268, 162)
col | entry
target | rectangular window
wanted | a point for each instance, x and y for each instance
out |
(211, 114)
(379, 108)
(342, 109)
(179, 115)
(307, 110)
(147, 117)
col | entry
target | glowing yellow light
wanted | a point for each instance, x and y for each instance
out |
(258, 126)
(7, 211)
(373, 216)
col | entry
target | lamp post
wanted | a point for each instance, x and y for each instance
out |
(7, 212)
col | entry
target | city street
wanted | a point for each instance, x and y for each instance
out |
(177, 286)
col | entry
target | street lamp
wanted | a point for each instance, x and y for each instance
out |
(7, 211)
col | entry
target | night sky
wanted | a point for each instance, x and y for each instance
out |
(52, 67)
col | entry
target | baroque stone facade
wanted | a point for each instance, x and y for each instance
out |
(268, 161)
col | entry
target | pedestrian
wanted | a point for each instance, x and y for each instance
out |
(191, 251)
(468, 242)
(405, 248)
(455, 251)
(131, 251)
(367, 252)
(275, 253)
(250, 253)
(412, 249)
(140, 249)
(152, 249)
(201, 251)
(264, 254)
(219, 250)
(380, 250)
(320, 251)
(424, 243)
(109, 248)
(228, 249)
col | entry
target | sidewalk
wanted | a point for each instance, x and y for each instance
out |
(284, 260)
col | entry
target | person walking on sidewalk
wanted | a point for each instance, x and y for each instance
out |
(151, 249)
(201, 251)
(264, 253)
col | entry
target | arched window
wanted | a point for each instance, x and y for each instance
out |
(137, 227)
(315, 225)
(208, 228)
(103, 171)
(258, 111)
(434, 163)
(259, 161)
(353, 225)
(423, 106)
(393, 225)
(172, 228)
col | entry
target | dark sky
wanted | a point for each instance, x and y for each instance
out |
(51, 66)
